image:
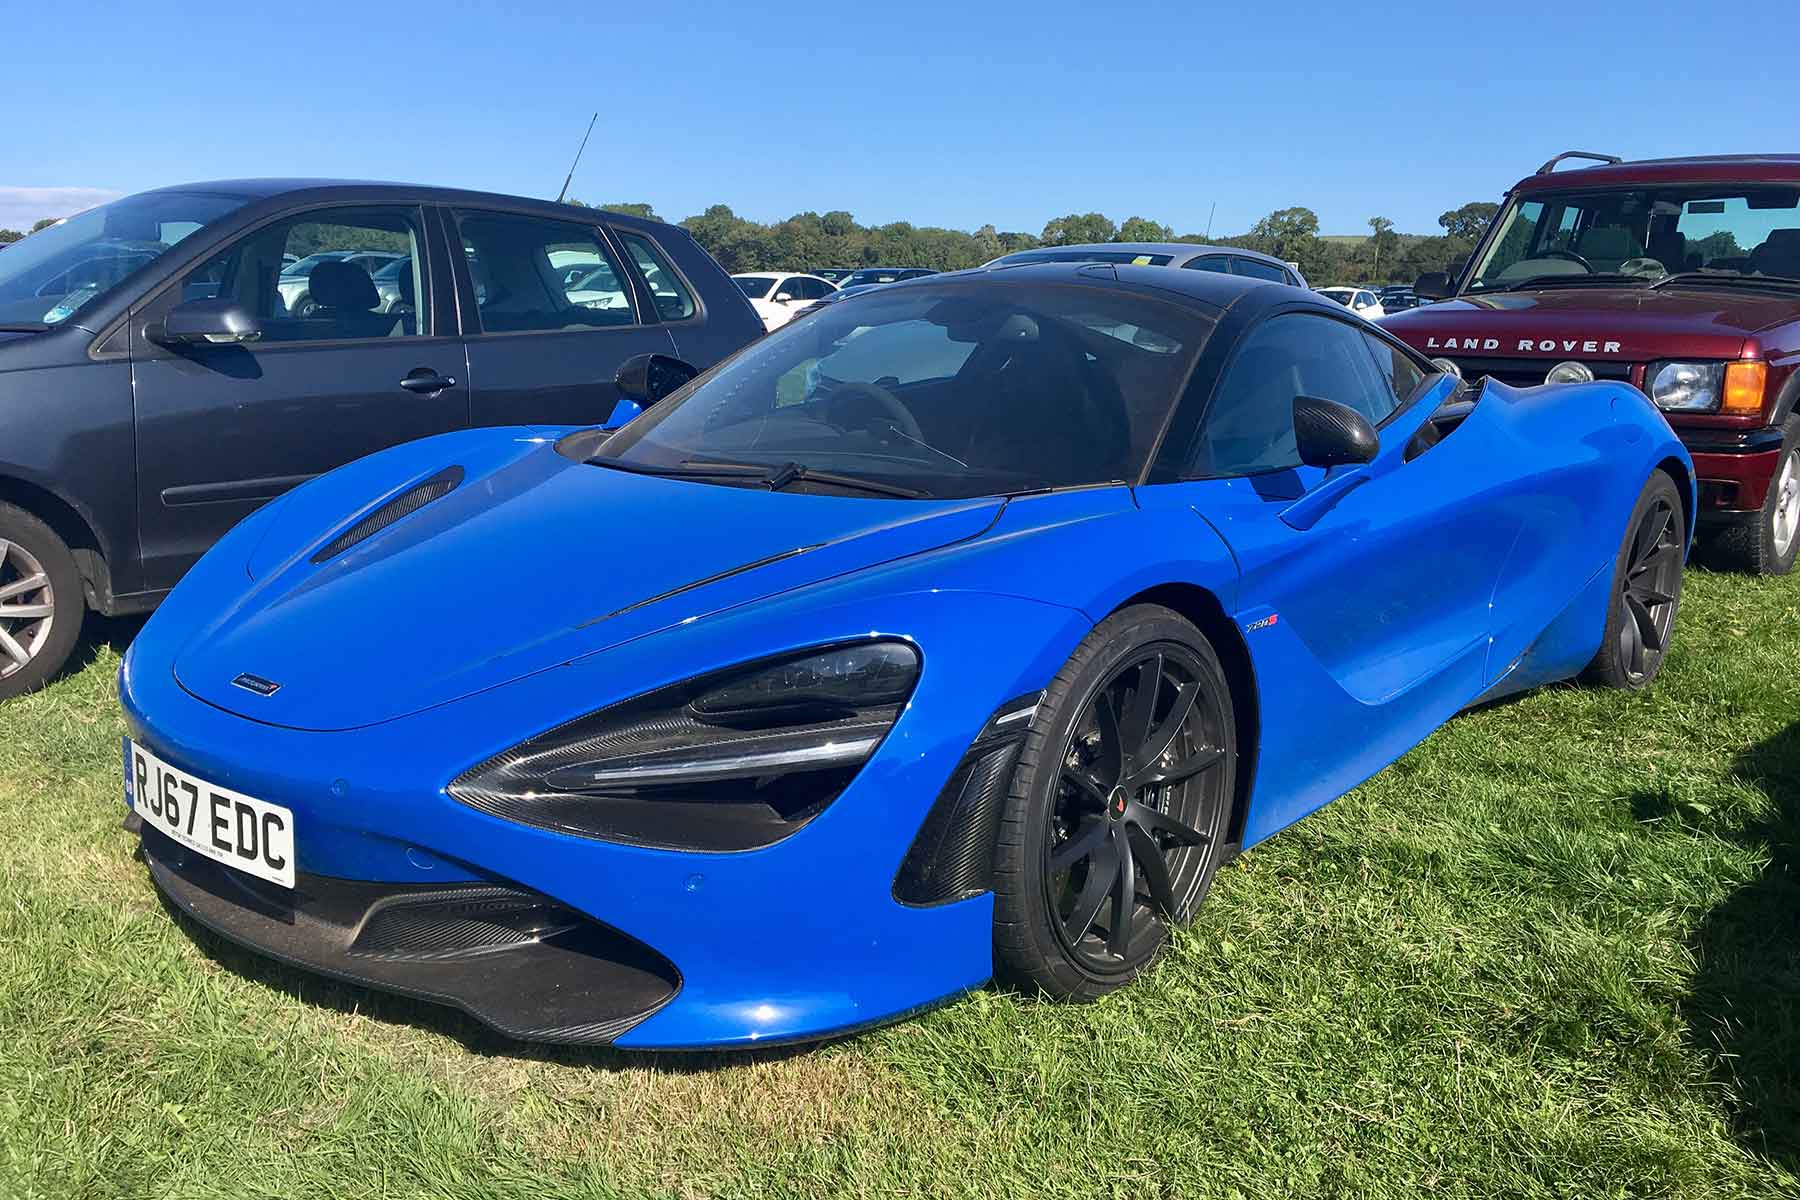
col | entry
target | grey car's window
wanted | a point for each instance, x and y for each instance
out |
(1248, 428)
(46, 277)
(1255, 268)
(672, 299)
(521, 266)
(1218, 263)
(333, 296)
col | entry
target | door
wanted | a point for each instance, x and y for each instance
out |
(343, 367)
(545, 342)
(1370, 614)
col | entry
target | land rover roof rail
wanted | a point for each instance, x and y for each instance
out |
(1608, 159)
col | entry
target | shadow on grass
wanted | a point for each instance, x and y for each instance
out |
(390, 1008)
(1744, 1007)
(113, 633)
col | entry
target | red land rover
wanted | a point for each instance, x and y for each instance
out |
(1681, 275)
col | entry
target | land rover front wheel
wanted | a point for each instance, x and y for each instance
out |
(1765, 542)
(41, 603)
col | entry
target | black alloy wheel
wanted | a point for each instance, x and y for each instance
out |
(1120, 809)
(1646, 592)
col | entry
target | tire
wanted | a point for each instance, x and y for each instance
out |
(1110, 806)
(1765, 543)
(1646, 590)
(40, 621)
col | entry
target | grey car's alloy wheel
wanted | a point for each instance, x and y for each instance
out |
(1120, 807)
(41, 602)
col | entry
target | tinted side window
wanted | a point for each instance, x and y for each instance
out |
(1249, 426)
(536, 274)
(1396, 368)
(1257, 269)
(1218, 263)
(329, 292)
(672, 299)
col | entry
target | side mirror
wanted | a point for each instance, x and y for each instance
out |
(205, 323)
(1433, 285)
(783, 298)
(644, 379)
(1328, 434)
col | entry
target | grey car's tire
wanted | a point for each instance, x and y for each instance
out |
(1767, 541)
(41, 602)
(1646, 589)
(1127, 836)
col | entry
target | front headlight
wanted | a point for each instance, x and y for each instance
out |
(1685, 386)
(730, 761)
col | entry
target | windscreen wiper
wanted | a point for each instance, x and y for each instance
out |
(1543, 281)
(24, 327)
(794, 472)
(1731, 279)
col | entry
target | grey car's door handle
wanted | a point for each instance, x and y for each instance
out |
(425, 381)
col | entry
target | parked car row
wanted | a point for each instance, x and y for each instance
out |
(963, 627)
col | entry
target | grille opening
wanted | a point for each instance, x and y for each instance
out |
(404, 505)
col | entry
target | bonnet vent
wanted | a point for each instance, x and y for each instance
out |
(406, 503)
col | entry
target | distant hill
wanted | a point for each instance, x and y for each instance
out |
(1357, 239)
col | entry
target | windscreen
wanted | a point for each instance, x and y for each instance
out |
(1644, 234)
(46, 278)
(937, 391)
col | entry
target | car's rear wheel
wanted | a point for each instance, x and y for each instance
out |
(1767, 541)
(1646, 591)
(1119, 809)
(41, 603)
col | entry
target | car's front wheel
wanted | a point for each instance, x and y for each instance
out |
(41, 602)
(1120, 807)
(1766, 542)
(1646, 592)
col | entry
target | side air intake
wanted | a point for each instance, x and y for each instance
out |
(405, 504)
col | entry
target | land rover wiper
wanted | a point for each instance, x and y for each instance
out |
(1549, 281)
(1731, 279)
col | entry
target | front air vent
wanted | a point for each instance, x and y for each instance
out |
(405, 504)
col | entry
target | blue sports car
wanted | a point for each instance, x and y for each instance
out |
(958, 632)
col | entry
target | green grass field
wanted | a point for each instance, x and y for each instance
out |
(1552, 952)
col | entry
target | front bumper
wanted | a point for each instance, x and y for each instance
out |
(798, 940)
(1733, 468)
(518, 962)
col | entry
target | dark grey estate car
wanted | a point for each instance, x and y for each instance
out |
(162, 374)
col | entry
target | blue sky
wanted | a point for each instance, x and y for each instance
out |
(950, 114)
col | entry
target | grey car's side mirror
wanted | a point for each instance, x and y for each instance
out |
(1328, 434)
(644, 379)
(205, 323)
(1433, 285)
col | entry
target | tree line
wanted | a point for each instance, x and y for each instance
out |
(835, 239)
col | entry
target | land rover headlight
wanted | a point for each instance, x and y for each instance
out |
(1570, 372)
(731, 760)
(1685, 386)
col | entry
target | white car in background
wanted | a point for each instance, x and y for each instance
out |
(1361, 301)
(778, 296)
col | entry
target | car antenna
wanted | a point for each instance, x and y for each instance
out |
(577, 162)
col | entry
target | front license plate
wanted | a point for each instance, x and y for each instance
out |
(252, 835)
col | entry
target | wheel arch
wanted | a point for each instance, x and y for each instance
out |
(69, 524)
(1201, 608)
(1684, 482)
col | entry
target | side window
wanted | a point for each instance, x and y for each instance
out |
(672, 299)
(1248, 428)
(534, 274)
(1257, 269)
(1218, 263)
(1397, 369)
(346, 273)
(807, 289)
